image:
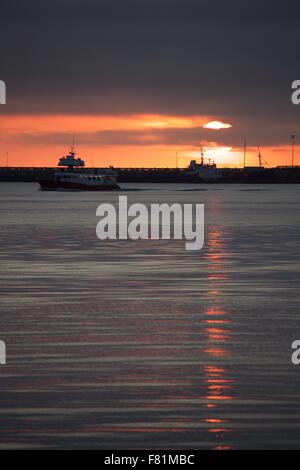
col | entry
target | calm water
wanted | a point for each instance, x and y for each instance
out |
(126, 345)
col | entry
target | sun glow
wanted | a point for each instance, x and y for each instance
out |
(217, 125)
(172, 122)
(133, 140)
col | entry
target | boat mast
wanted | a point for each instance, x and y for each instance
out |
(259, 156)
(261, 160)
(72, 150)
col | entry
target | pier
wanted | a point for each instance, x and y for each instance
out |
(282, 174)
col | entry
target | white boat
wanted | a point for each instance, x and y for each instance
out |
(204, 171)
(71, 177)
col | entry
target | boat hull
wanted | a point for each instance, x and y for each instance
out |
(52, 185)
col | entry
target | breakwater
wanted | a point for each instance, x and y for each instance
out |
(166, 175)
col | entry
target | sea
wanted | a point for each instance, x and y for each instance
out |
(123, 344)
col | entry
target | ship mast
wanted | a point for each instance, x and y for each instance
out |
(72, 149)
(259, 156)
(261, 160)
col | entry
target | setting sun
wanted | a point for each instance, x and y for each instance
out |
(217, 125)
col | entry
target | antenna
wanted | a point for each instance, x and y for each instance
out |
(202, 156)
(293, 147)
(245, 151)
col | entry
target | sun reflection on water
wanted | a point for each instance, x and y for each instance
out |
(217, 335)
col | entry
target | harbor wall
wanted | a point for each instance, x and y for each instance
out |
(165, 175)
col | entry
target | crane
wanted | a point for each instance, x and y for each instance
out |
(261, 160)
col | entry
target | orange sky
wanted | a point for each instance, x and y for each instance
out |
(35, 140)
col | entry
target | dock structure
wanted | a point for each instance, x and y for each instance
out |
(282, 174)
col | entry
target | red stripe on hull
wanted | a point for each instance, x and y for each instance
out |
(51, 185)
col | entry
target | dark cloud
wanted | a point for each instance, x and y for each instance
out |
(229, 59)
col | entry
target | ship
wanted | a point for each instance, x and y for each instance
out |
(71, 177)
(205, 172)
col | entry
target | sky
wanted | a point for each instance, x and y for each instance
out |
(138, 81)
